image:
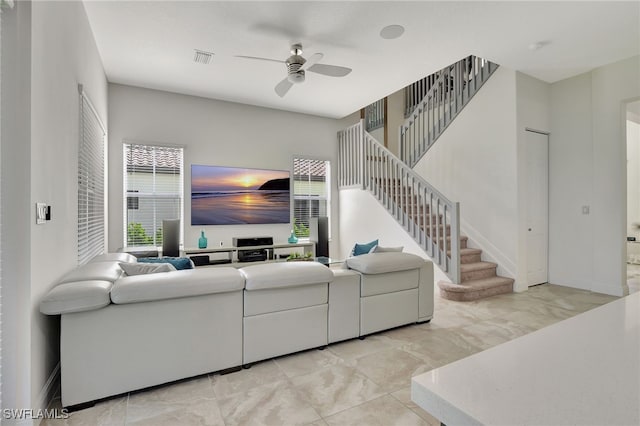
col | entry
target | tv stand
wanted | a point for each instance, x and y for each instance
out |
(232, 252)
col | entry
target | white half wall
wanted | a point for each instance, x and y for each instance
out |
(588, 168)
(64, 54)
(215, 133)
(364, 219)
(474, 163)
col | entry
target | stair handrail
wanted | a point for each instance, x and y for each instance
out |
(407, 196)
(452, 89)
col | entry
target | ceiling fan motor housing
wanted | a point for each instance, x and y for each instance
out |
(294, 63)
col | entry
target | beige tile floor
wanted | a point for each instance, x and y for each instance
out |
(358, 382)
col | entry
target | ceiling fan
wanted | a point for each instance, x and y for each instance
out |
(297, 65)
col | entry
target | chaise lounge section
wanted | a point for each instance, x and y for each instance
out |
(122, 333)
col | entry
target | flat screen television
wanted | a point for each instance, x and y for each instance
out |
(235, 196)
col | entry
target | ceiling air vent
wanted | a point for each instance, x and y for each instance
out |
(202, 57)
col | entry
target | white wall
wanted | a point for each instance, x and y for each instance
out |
(533, 99)
(395, 118)
(56, 51)
(215, 133)
(364, 219)
(587, 167)
(474, 163)
(570, 183)
(16, 208)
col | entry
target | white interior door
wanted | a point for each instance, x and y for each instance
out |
(537, 172)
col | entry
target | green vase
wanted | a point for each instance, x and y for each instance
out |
(292, 238)
(202, 241)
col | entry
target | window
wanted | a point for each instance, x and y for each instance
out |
(311, 193)
(91, 216)
(153, 191)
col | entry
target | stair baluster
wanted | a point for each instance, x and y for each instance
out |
(449, 90)
(424, 213)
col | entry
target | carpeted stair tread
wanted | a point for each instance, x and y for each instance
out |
(467, 251)
(475, 289)
(483, 284)
(477, 266)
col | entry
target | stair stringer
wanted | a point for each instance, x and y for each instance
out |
(506, 267)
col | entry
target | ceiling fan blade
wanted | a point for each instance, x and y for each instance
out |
(316, 57)
(330, 70)
(255, 58)
(283, 87)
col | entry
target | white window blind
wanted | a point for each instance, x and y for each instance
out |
(311, 193)
(153, 191)
(91, 215)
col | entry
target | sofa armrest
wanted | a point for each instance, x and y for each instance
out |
(76, 296)
(381, 263)
(175, 284)
(107, 270)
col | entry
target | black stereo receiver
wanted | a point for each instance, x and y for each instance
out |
(252, 255)
(252, 241)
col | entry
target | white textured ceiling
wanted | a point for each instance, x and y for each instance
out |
(151, 44)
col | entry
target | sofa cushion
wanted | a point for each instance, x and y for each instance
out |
(284, 298)
(171, 285)
(76, 296)
(114, 257)
(389, 282)
(145, 268)
(178, 262)
(285, 274)
(380, 263)
(100, 271)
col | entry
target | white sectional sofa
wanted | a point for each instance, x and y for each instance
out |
(121, 333)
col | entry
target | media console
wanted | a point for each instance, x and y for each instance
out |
(233, 255)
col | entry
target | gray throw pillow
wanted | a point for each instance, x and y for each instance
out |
(380, 249)
(145, 268)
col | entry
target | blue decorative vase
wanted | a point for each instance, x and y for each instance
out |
(292, 238)
(202, 241)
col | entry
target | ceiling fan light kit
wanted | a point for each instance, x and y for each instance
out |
(297, 65)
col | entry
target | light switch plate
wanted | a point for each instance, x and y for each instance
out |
(585, 209)
(41, 213)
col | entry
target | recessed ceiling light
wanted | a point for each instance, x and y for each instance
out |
(391, 31)
(202, 57)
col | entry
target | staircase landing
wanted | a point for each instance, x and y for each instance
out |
(478, 278)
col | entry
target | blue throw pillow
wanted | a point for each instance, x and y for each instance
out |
(359, 249)
(177, 262)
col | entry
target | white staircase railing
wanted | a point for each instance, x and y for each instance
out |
(449, 90)
(429, 217)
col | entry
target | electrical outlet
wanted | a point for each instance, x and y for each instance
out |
(221, 244)
(585, 209)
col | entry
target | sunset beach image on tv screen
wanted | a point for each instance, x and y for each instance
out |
(234, 196)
